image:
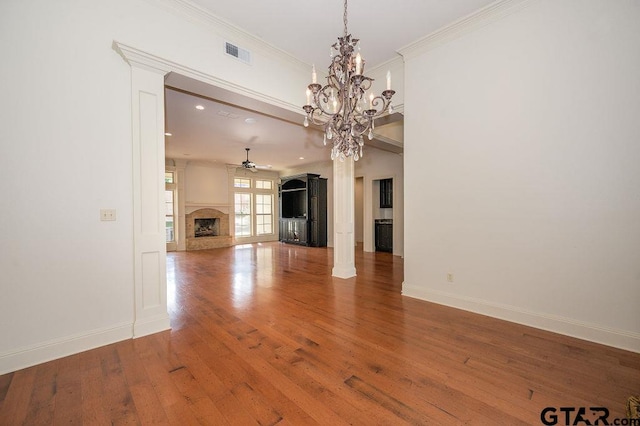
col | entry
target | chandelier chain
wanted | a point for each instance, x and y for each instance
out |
(344, 18)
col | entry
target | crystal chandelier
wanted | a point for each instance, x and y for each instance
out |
(343, 106)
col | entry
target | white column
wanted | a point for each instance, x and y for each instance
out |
(150, 277)
(343, 219)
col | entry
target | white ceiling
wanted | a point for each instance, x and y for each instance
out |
(220, 133)
(305, 29)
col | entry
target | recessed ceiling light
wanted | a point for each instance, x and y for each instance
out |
(168, 134)
(300, 158)
(200, 107)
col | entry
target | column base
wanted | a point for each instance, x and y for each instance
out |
(343, 272)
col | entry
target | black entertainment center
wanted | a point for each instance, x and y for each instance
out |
(303, 210)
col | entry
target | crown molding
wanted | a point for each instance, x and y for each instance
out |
(224, 28)
(393, 63)
(142, 59)
(148, 61)
(472, 22)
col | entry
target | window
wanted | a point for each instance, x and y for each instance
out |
(170, 205)
(264, 184)
(243, 214)
(264, 214)
(169, 223)
(242, 183)
(254, 206)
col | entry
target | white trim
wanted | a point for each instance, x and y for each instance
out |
(399, 109)
(149, 233)
(488, 14)
(395, 62)
(205, 204)
(150, 325)
(345, 272)
(65, 346)
(151, 62)
(582, 330)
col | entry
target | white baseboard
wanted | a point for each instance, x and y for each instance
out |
(607, 336)
(58, 348)
(147, 326)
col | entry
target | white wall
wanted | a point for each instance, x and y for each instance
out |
(67, 282)
(206, 185)
(521, 161)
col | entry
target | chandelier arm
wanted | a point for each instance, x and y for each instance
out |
(385, 105)
(334, 81)
(363, 126)
(336, 62)
(313, 116)
(325, 99)
(366, 83)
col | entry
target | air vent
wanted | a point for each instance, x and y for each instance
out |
(237, 52)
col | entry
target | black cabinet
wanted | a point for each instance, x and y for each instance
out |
(386, 193)
(384, 235)
(303, 210)
(293, 230)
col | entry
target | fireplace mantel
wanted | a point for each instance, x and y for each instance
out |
(203, 205)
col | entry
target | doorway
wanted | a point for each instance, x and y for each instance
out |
(382, 201)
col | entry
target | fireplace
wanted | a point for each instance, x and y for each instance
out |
(206, 229)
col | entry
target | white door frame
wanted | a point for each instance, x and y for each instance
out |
(148, 73)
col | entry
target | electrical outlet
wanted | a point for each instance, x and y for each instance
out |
(450, 277)
(107, 214)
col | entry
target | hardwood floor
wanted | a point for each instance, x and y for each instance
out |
(262, 334)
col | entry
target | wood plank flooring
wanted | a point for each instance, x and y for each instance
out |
(262, 334)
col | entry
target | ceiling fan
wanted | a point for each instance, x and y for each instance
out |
(249, 165)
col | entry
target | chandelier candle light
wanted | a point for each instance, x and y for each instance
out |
(342, 105)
